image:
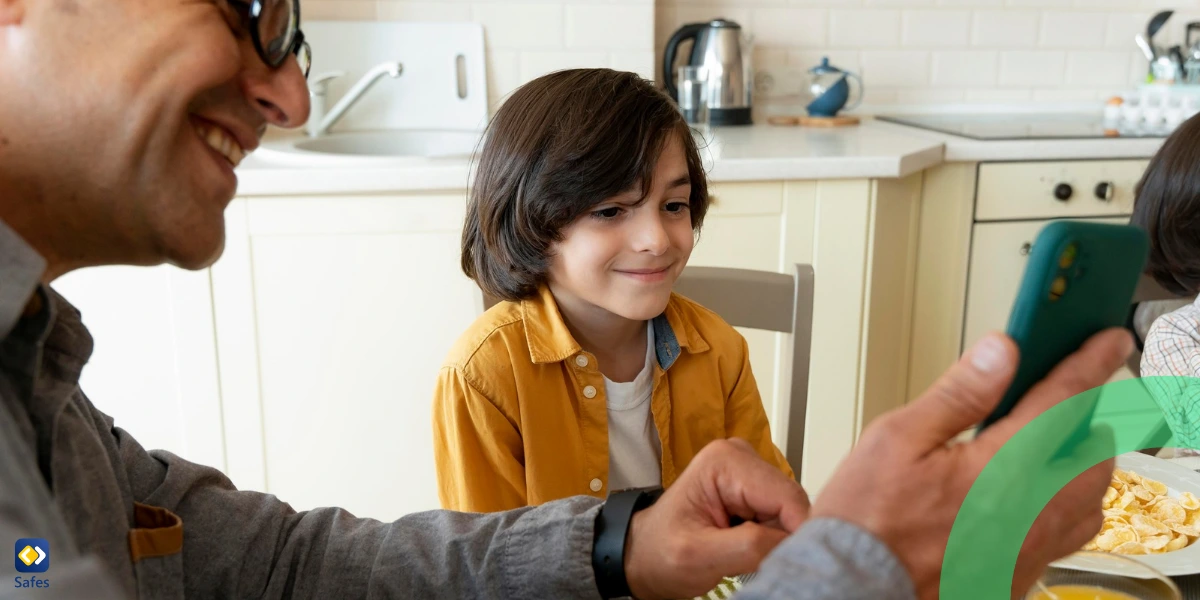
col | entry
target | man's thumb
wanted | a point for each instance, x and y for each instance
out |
(962, 396)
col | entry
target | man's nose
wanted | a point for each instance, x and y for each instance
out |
(280, 95)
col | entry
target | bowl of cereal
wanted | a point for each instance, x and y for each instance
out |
(1151, 515)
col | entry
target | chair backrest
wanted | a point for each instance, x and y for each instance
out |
(769, 301)
(760, 300)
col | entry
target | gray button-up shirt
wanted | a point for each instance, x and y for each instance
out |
(124, 522)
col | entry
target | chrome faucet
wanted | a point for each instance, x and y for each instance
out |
(319, 121)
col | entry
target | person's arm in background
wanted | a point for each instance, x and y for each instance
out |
(1170, 361)
(477, 448)
(1172, 347)
(745, 417)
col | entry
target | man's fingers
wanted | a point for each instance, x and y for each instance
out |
(962, 397)
(751, 488)
(1089, 367)
(739, 550)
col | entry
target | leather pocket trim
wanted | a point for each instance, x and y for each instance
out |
(157, 532)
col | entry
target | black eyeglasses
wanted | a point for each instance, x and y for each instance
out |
(275, 28)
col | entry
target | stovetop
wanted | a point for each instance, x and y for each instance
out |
(1027, 126)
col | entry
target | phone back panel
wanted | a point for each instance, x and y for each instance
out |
(1079, 281)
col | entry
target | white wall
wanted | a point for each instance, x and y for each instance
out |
(526, 39)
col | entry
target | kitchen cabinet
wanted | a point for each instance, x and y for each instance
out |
(154, 363)
(978, 222)
(333, 316)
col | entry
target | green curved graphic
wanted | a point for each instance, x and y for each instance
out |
(1044, 456)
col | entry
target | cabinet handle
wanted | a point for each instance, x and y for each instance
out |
(1026, 248)
(1105, 191)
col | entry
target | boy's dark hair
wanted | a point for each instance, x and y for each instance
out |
(560, 145)
(1167, 207)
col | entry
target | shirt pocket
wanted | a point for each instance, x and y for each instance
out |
(156, 549)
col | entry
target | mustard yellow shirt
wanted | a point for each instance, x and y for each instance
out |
(519, 412)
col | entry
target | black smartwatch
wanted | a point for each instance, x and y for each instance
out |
(612, 530)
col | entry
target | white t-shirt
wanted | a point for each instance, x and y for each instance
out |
(634, 452)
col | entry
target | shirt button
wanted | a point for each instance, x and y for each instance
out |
(596, 485)
(589, 392)
(581, 360)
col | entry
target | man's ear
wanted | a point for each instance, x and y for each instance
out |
(12, 12)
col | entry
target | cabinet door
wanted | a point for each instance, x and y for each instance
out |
(998, 255)
(356, 302)
(154, 366)
(743, 230)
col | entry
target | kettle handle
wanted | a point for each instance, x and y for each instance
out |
(689, 31)
(862, 91)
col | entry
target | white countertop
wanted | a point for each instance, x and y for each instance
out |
(872, 150)
(962, 149)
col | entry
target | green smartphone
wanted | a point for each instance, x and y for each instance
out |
(1079, 281)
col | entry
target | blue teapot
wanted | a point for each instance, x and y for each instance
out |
(830, 91)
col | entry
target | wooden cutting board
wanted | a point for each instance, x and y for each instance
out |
(840, 121)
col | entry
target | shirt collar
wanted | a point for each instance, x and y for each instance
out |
(21, 269)
(551, 341)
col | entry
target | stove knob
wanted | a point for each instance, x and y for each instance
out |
(1105, 190)
(1063, 191)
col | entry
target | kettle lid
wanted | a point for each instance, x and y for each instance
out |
(723, 23)
(824, 67)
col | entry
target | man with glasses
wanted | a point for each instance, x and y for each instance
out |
(121, 123)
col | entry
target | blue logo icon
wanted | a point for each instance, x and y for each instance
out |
(32, 555)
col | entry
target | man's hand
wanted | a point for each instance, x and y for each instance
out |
(905, 485)
(683, 545)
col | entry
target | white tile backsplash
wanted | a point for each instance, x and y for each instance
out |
(861, 28)
(992, 96)
(796, 27)
(1005, 28)
(1123, 26)
(1073, 29)
(909, 51)
(504, 74)
(969, 68)
(971, 3)
(1100, 68)
(536, 64)
(641, 63)
(896, 68)
(1033, 68)
(423, 11)
(513, 26)
(846, 60)
(610, 27)
(935, 28)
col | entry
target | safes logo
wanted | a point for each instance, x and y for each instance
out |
(33, 555)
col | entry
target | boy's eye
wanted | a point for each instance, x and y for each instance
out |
(607, 213)
(677, 206)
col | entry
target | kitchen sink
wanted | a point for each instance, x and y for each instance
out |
(370, 147)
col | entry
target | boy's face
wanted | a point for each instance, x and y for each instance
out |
(624, 254)
(129, 116)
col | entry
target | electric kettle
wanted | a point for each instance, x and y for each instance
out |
(718, 47)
